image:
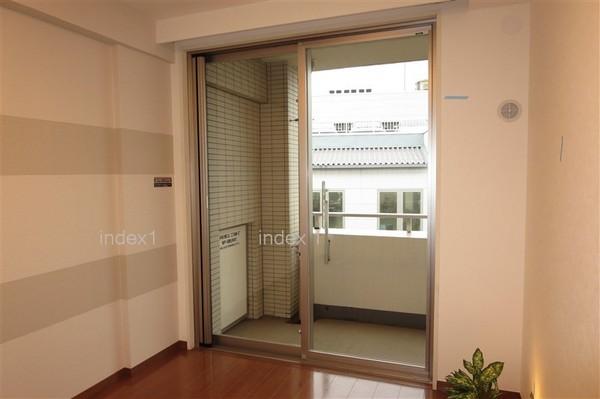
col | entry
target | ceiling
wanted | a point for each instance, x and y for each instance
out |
(160, 9)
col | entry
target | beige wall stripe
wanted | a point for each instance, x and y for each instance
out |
(146, 153)
(39, 147)
(149, 270)
(35, 302)
(38, 301)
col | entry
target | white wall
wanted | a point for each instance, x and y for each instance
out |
(561, 337)
(373, 272)
(483, 53)
(112, 22)
(96, 115)
(267, 13)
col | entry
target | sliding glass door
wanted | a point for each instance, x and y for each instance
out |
(251, 147)
(316, 200)
(369, 184)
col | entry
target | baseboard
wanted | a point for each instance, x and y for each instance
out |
(398, 319)
(112, 379)
(443, 387)
(128, 372)
(159, 358)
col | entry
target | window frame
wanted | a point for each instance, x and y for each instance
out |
(400, 205)
(346, 127)
(383, 191)
(343, 206)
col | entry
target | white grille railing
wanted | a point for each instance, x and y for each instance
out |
(387, 126)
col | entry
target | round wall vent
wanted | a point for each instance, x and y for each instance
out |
(509, 110)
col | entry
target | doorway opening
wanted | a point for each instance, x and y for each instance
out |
(316, 170)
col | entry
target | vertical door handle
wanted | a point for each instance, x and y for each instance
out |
(325, 220)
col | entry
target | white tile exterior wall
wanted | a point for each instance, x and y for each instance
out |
(234, 168)
(293, 183)
(280, 201)
(244, 78)
(253, 177)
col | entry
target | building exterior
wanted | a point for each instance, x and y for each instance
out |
(370, 147)
(371, 173)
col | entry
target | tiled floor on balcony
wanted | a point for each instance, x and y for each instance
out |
(364, 340)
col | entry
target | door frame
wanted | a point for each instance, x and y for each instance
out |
(198, 201)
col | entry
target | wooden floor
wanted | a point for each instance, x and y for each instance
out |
(215, 374)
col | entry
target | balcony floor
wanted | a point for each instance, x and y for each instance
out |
(365, 340)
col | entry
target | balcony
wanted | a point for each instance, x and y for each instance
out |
(377, 277)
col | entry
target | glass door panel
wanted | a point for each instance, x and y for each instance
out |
(369, 124)
(253, 197)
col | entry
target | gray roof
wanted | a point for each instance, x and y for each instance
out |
(369, 157)
(366, 140)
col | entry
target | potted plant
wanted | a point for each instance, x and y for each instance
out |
(482, 383)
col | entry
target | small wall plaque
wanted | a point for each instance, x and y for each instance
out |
(229, 239)
(163, 181)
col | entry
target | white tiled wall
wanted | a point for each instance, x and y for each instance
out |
(293, 182)
(234, 168)
(243, 78)
(279, 184)
(253, 176)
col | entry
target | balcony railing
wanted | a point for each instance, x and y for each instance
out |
(409, 216)
(321, 219)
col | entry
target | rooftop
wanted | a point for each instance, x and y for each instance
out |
(369, 151)
(370, 157)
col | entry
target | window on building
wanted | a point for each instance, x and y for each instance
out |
(390, 126)
(349, 91)
(316, 206)
(410, 203)
(388, 203)
(422, 85)
(343, 127)
(316, 201)
(336, 204)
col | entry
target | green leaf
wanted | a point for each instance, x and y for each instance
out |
(460, 391)
(478, 360)
(462, 388)
(491, 373)
(481, 384)
(460, 379)
(498, 367)
(469, 366)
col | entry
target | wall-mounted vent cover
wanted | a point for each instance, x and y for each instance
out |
(509, 110)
